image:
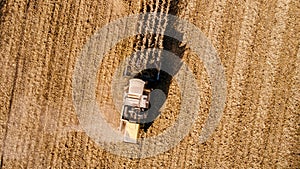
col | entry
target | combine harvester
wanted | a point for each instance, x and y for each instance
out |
(136, 103)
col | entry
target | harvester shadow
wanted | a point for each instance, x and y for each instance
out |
(169, 44)
(164, 81)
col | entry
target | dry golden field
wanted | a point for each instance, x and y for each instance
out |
(258, 43)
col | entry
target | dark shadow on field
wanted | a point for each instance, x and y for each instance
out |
(2, 3)
(150, 75)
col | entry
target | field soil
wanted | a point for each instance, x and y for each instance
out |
(258, 45)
